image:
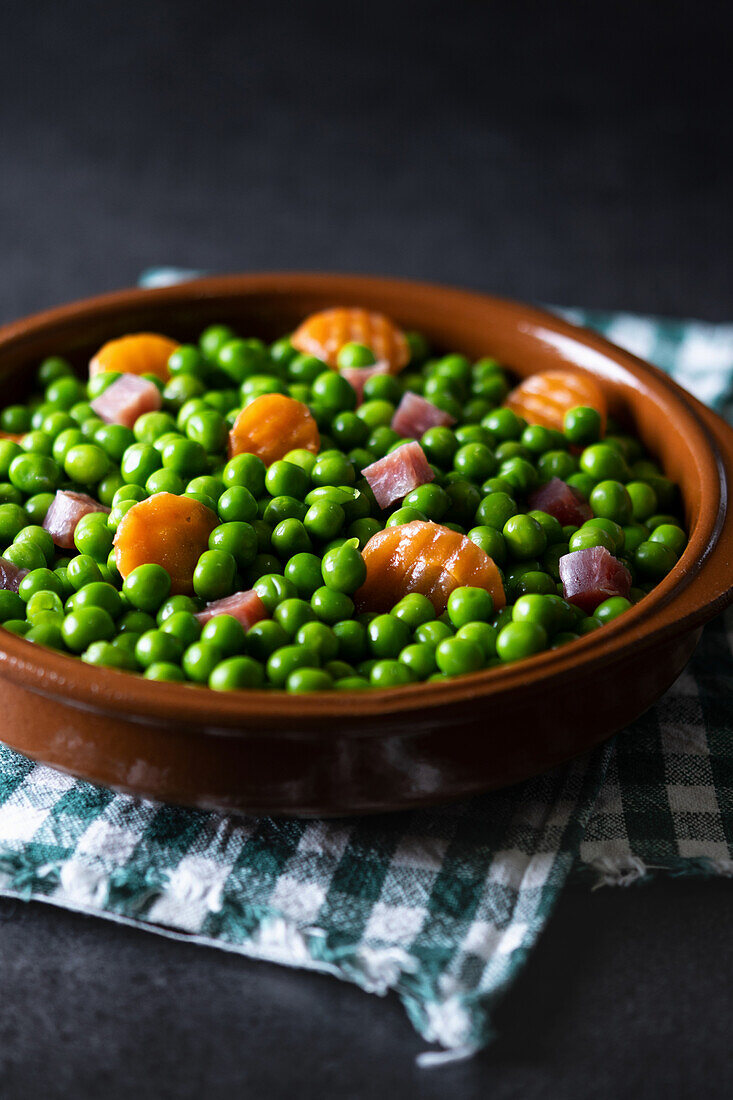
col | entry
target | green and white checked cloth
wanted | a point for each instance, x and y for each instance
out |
(441, 905)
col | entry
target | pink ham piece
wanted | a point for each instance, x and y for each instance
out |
(65, 512)
(560, 500)
(126, 399)
(391, 478)
(415, 414)
(246, 607)
(591, 576)
(357, 376)
(10, 575)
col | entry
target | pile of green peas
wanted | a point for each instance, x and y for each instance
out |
(294, 531)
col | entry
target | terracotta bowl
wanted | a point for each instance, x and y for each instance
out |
(346, 754)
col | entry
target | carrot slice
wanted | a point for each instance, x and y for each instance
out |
(428, 558)
(545, 397)
(139, 353)
(168, 530)
(324, 334)
(272, 425)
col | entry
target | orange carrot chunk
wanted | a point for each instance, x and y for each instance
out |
(428, 558)
(272, 425)
(324, 334)
(166, 530)
(140, 353)
(545, 397)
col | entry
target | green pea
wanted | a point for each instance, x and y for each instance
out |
(98, 594)
(200, 660)
(41, 538)
(582, 425)
(285, 479)
(237, 504)
(37, 506)
(343, 568)
(524, 537)
(332, 469)
(213, 339)
(588, 537)
(236, 538)
(495, 510)
(165, 672)
(376, 413)
(15, 419)
(643, 500)
(17, 626)
(611, 609)
(237, 674)
(534, 581)
(11, 605)
(264, 638)
(331, 606)
(671, 536)
(611, 500)
(26, 555)
(307, 680)
(548, 523)
(87, 625)
(165, 481)
(292, 614)
(419, 659)
(615, 531)
(318, 638)
(93, 537)
(481, 634)
(536, 609)
(208, 429)
(213, 576)
(467, 605)
(63, 443)
(355, 355)
(152, 425)
(147, 586)
(432, 633)
(182, 625)
(138, 462)
(387, 635)
(458, 656)
(429, 499)
(654, 560)
(157, 646)
(517, 640)
(13, 519)
(186, 359)
(363, 529)
(135, 623)
(303, 570)
(286, 660)
(32, 473)
(283, 507)
(273, 589)
(405, 515)
(184, 457)
(389, 673)
(226, 633)
(604, 463)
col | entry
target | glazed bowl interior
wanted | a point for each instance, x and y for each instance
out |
(669, 422)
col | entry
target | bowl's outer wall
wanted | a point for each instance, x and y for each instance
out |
(387, 750)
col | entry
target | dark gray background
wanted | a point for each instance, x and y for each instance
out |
(571, 153)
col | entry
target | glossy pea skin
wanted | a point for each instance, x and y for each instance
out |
(87, 625)
(582, 426)
(200, 660)
(458, 656)
(237, 674)
(294, 613)
(517, 640)
(330, 606)
(389, 673)
(414, 610)
(236, 538)
(213, 575)
(225, 633)
(611, 608)
(481, 634)
(184, 626)
(611, 500)
(343, 568)
(671, 536)
(157, 646)
(468, 605)
(654, 560)
(495, 510)
(388, 635)
(524, 537)
(147, 586)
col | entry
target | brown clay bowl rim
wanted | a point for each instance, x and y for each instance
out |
(663, 611)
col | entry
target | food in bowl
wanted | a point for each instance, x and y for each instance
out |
(338, 510)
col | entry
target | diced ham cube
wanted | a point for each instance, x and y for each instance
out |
(560, 500)
(10, 575)
(246, 607)
(126, 399)
(357, 376)
(415, 414)
(391, 478)
(591, 576)
(65, 512)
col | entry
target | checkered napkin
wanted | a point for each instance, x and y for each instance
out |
(442, 905)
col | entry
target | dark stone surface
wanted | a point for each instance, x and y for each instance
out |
(571, 153)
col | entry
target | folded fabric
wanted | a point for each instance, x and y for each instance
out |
(441, 905)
